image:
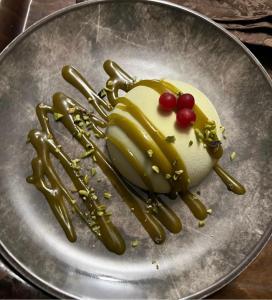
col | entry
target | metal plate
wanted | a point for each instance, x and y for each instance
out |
(150, 39)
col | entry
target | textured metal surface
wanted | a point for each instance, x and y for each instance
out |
(149, 40)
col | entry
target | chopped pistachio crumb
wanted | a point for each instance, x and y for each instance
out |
(81, 124)
(94, 197)
(100, 213)
(92, 190)
(209, 211)
(83, 193)
(191, 143)
(96, 228)
(94, 158)
(101, 207)
(170, 139)
(71, 110)
(79, 134)
(107, 195)
(156, 169)
(57, 150)
(150, 152)
(167, 176)
(97, 135)
(49, 136)
(132, 209)
(175, 177)
(77, 118)
(178, 172)
(57, 116)
(233, 156)
(86, 179)
(74, 164)
(87, 153)
(85, 117)
(201, 223)
(75, 161)
(93, 171)
(135, 243)
(102, 93)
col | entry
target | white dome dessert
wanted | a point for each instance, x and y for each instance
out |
(197, 162)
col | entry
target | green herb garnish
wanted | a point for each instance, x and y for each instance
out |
(199, 135)
(170, 139)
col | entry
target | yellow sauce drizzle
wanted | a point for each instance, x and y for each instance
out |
(169, 150)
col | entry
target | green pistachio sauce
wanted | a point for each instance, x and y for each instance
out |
(152, 212)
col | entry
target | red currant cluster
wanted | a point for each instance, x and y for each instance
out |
(183, 105)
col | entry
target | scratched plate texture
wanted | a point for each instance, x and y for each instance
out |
(150, 40)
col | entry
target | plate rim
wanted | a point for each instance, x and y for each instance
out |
(38, 282)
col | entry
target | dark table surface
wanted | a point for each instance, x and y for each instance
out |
(254, 283)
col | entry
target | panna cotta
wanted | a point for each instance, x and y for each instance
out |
(140, 157)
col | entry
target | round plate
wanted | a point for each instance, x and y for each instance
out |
(149, 39)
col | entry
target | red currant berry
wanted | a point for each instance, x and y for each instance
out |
(185, 117)
(168, 101)
(185, 101)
